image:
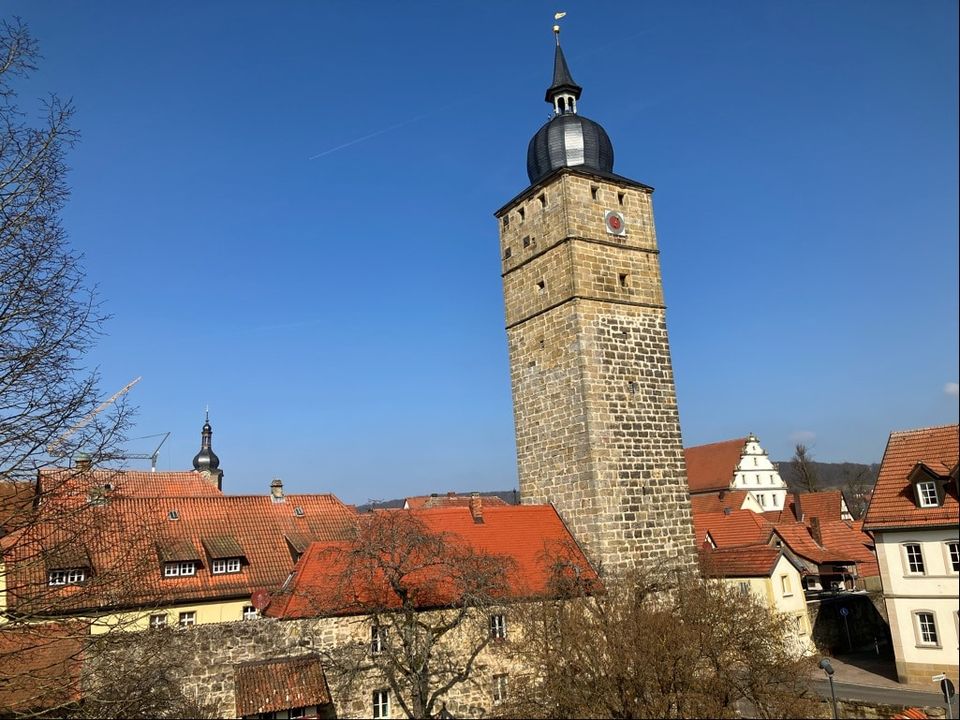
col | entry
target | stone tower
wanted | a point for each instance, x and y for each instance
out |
(597, 428)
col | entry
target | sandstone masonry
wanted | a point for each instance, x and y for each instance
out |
(597, 428)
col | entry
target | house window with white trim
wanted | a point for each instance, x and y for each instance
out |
(229, 565)
(187, 619)
(250, 612)
(381, 704)
(953, 556)
(914, 555)
(785, 585)
(927, 493)
(498, 627)
(180, 569)
(499, 689)
(927, 629)
(66, 576)
(158, 621)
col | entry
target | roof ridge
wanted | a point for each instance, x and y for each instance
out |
(924, 429)
(717, 442)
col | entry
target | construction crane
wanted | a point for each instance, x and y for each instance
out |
(152, 457)
(54, 447)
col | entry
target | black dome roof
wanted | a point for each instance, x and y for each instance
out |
(568, 140)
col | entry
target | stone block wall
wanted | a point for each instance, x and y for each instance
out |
(597, 426)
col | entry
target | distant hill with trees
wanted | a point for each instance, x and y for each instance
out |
(856, 478)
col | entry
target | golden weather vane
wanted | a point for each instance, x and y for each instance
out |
(556, 28)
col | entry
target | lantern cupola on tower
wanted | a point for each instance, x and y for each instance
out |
(206, 461)
(568, 139)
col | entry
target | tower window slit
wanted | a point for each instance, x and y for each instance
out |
(541, 286)
(521, 213)
(594, 192)
(620, 198)
(507, 253)
(526, 241)
(623, 279)
(543, 201)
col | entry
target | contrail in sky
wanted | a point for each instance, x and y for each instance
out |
(461, 101)
(381, 131)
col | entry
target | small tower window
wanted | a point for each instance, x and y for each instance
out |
(506, 221)
(594, 192)
(543, 200)
(620, 198)
(526, 241)
(623, 280)
(507, 253)
(521, 213)
(541, 286)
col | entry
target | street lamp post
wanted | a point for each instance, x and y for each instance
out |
(828, 669)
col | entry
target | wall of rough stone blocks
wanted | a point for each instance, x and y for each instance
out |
(595, 409)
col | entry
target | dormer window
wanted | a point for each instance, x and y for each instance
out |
(927, 494)
(66, 576)
(185, 568)
(225, 566)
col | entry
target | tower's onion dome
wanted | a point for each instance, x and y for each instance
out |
(206, 459)
(568, 139)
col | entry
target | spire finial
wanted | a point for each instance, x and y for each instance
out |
(207, 413)
(556, 28)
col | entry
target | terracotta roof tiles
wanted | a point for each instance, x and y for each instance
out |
(738, 528)
(746, 561)
(893, 503)
(272, 685)
(712, 467)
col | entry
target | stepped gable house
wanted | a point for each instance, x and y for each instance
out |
(595, 409)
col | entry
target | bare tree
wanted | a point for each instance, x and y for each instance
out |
(49, 400)
(421, 600)
(804, 475)
(857, 483)
(652, 646)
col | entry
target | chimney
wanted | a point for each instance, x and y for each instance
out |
(727, 511)
(276, 490)
(797, 510)
(815, 530)
(476, 508)
(83, 463)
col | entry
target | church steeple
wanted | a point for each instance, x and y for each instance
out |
(206, 461)
(563, 93)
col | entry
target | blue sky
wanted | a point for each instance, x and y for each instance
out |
(287, 207)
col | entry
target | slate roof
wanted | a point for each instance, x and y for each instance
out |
(529, 537)
(712, 467)
(128, 539)
(272, 685)
(740, 527)
(893, 504)
(745, 561)
(40, 666)
(419, 502)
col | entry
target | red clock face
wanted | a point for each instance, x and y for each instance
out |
(614, 222)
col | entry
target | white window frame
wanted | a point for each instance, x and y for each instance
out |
(498, 626)
(923, 498)
(225, 566)
(500, 688)
(381, 704)
(786, 587)
(182, 568)
(157, 621)
(60, 577)
(952, 552)
(249, 612)
(378, 639)
(918, 624)
(187, 619)
(908, 569)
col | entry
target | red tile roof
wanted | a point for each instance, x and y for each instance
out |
(126, 538)
(823, 504)
(78, 485)
(746, 561)
(713, 502)
(740, 527)
(16, 502)
(530, 539)
(40, 666)
(273, 685)
(893, 504)
(847, 539)
(712, 467)
(797, 537)
(419, 502)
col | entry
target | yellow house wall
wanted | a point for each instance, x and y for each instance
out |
(206, 613)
